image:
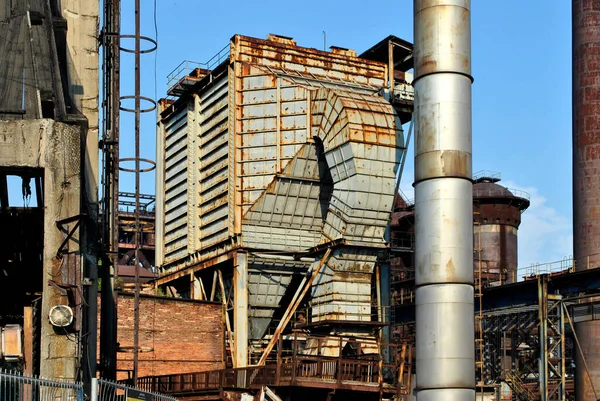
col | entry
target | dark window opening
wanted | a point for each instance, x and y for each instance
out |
(21, 257)
(48, 109)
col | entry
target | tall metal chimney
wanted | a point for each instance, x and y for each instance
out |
(586, 176)
(444, 204)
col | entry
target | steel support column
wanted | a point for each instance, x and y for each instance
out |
(108, 268)
(559, 347)
(240, 309)
(551, 337)
(542, 333)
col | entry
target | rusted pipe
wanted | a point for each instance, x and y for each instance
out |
(138, 242)
(443, 201)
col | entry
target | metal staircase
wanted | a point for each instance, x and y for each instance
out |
(522, 392)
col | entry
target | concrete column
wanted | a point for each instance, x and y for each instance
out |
(195, 287)
(240, 309)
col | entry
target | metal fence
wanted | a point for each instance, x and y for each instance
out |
(16, 387)
(105, 390)
(567, 264)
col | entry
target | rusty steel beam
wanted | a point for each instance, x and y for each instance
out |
(111, 72)
(443, 201)
(171, 276)
(138, 240)
(586, 179)
(296, 300)
(227, 323)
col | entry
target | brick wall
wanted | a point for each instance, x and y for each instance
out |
(184, 335)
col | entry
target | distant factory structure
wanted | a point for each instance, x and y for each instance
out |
(277, 258)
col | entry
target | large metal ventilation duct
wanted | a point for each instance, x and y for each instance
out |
(443, 201)
(586, 180)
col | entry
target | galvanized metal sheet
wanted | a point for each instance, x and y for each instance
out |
(363, 144)
(255, 163)
(211, 212)
(343, 289)
(268, 283)
(175, 184)
(288, 215)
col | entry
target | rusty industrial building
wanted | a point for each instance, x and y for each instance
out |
(277, 258)
(275, 183)
(49, 153)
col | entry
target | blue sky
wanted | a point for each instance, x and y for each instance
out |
(521, 57)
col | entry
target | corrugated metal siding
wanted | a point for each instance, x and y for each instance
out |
(213, 165)
(249, 124)
(343, 289)
(272, 129)
(363, 145)
(176, 186)
(268, 285)
(288, 215)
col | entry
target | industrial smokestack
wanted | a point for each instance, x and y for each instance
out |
(586, 179)
(443, 201)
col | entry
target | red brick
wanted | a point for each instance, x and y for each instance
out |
(186, 336)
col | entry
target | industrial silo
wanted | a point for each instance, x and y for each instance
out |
(496, 217)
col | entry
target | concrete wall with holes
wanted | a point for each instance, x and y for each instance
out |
(54, 147)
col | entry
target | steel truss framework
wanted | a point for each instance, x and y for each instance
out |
(532, 348)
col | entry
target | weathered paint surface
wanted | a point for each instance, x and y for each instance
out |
(55, 147)
(293, 148)
(175, 185)
(443, 201)
(363, 144)
(497, 216)
(586, 180)
(223, 152)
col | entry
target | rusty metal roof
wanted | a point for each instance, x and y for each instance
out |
(403, 51)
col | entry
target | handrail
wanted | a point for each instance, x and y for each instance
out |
(536, 269)
(518, 386)
(303, 367)
(492, 192)
(403, 239)
(487, 174)
(187, 66)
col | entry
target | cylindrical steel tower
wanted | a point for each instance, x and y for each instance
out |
(586, 176)
(444, 204)
(497, 216)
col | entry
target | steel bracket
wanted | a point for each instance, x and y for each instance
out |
(63, 226)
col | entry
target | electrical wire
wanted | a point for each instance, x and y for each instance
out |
(155, 56)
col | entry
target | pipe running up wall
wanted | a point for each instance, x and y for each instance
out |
(443, 201)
